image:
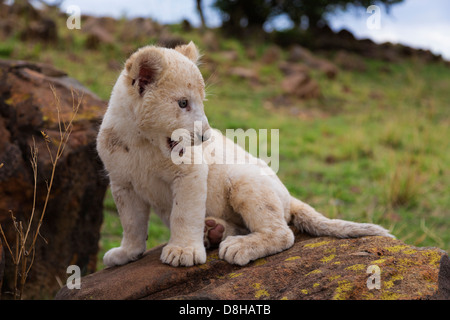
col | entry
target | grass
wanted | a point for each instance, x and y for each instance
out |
(374, 148)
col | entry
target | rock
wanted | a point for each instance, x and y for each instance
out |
(2, 266)
(109, 24)
(230, 55)
(298, 53)
(300, 85)
(44, 30)
(139, 29)
(97, 36)
(271, 55)
(211, 41)
(74, 214)
(289, 68)
(314, 268)
(350, 61)
(245, 73)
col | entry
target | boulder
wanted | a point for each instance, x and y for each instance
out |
(314, 268)
(271, 55)
(43, 30)
(71, 225)
(300, 85)
(140, 29)
(245, 73)
(300, 54)
(350, 61)
(97, 36)
(2, 266)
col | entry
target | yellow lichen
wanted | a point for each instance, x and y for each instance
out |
(330, 250)
(261, 293)
(317, 244)
(328, 258)
(395, 249)
(256, 285)
(390, 283)
(260, 262)
(304, 291)
(315, 285)
(379, 261)
(367, 295)
(314, 272)
(292, 258)
(234, 275)
(387, 295)
(433, 256)
(334, 277)
(344, 286)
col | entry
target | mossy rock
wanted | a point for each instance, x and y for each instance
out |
(314, 268)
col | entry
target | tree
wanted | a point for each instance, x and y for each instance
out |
(252, 14)
(315, 10)
(249, 14)
(200, 13)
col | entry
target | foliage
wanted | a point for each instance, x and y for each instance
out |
(252, 14)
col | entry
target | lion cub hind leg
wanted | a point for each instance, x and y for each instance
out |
(263, 214)
(216, 230)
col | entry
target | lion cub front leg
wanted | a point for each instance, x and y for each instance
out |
(185, 247)
(133, 213)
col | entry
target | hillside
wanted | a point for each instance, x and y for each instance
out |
(363, 134)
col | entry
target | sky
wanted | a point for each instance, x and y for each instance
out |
(421, 24)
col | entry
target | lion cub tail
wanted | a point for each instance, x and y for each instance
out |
(308, 220)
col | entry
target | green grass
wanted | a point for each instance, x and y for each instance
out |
(374, 148)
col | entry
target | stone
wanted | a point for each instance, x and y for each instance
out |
(314, 268)
(290, 68)
(230, 55)
(300, 85)
(244, 73)
(301, 54)
(71, 225)
(97, 36)
(2, 266)
(350, 61)
(43, 30)
(271, 55)
(139, 29)
(211, 41)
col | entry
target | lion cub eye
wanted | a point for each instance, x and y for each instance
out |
(183, 103)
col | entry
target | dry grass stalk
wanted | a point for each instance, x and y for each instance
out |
(23, 252)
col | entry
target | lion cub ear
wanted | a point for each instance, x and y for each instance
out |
(189, 50)
(144, 68)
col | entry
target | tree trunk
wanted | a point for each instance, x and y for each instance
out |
(200, 12)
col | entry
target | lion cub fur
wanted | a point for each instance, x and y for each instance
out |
(134, 143)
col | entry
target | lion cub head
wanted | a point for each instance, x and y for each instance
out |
(167, 90)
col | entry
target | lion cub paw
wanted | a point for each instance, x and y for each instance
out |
(235, 250)
(183, 256)
(119, 256)
(213, 233)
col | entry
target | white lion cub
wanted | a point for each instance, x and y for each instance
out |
(162, 90)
